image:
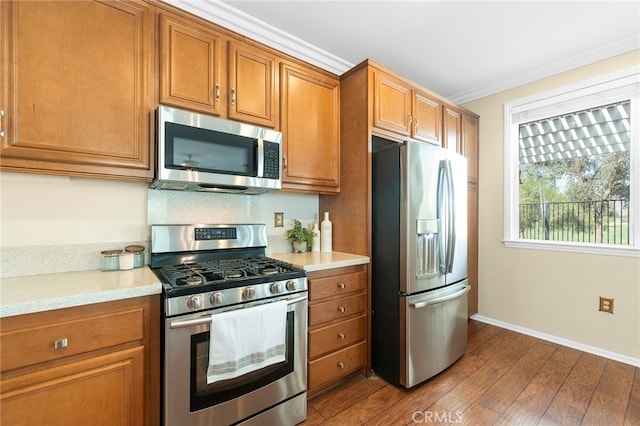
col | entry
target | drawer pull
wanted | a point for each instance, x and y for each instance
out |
(60, 343)
(341, 336)
(341, 285)
(341, 364)
(341, 309)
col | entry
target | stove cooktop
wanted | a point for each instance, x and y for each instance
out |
(200, 277)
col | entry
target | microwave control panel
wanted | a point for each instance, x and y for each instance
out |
(271, 160)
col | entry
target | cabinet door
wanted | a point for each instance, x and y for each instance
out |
(472, 247)
(190, 65)
(392, 104)
(253, 95)
(452, 129)
(77, 88)
(470, 137)
(104, 390)
(310, 103)
(427, 118)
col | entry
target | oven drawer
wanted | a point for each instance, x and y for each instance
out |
(336, 309)
(336, 285)
(333, 366)
(333, 337)
(63, 336)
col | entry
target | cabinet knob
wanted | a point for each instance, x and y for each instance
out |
(217, 92)
(416, 123)
(341, 309)
(341, 364)
(410, 118)
(60, 343)
(233, 96)
(341, 285)
(284, 162)
(341, 336)
(1, 131)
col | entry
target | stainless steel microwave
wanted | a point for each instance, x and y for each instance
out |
(199, 152)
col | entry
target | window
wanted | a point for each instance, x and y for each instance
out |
(571, 168)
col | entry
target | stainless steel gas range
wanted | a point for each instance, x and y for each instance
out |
(222, 296)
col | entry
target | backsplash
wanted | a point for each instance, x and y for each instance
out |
(53, 224)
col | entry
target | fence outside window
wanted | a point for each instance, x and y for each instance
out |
(598, 222)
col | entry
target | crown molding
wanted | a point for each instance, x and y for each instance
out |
(551, 68)
(242, 23)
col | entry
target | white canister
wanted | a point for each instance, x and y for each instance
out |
(326, 233)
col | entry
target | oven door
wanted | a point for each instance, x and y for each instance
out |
(189, 400)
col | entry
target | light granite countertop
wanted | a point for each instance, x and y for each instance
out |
(319, 261)
(36, 293)
(45, 292)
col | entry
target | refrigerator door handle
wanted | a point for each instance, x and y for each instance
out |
(441, 211)
(451, 211)
(443, 299)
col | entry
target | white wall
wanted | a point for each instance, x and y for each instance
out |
(555, 293)
(58, 224)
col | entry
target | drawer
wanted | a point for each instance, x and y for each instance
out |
(327, 369)
(328, 339)
(335, 285)
(38, 344)
(336, 309)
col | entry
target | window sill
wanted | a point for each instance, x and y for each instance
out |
(603, 249)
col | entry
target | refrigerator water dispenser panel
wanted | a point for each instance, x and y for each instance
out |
(428, 249)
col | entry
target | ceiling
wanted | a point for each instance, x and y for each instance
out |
(463, 50)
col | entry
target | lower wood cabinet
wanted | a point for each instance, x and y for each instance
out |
(95, 364)
(338, 321)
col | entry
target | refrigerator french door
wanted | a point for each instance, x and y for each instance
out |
(419, 260)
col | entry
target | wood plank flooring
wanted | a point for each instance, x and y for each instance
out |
(504, 378)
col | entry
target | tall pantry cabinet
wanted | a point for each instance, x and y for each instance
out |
(375, 101)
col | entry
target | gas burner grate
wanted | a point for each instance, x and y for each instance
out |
(228, 270)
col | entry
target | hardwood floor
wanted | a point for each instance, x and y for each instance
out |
(504, 378)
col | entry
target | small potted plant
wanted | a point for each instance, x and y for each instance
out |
(300, 237)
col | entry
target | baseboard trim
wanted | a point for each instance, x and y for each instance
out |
(559, 340)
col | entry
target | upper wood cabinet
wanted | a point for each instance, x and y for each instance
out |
(403, 109)
(204, 70)
(452, 129)
(77, 88)
(310, 114)
(191, 65)
(470, 138)
(253, 85)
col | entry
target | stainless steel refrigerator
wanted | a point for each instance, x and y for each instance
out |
(419, 260)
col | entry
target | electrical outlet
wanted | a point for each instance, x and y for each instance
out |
(278, 219)
(606, 305)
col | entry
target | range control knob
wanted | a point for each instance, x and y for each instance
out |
(216, 298)
(292, 285)
(249, 293)
(276, 288)
(194, 302)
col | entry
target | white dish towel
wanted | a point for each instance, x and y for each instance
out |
(246, 340)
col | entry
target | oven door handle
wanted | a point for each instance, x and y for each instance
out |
(207, 318)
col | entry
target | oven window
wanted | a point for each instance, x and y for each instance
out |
(191, 148)
(204, 395)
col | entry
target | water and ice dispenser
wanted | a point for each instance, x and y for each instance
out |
(428, 248)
